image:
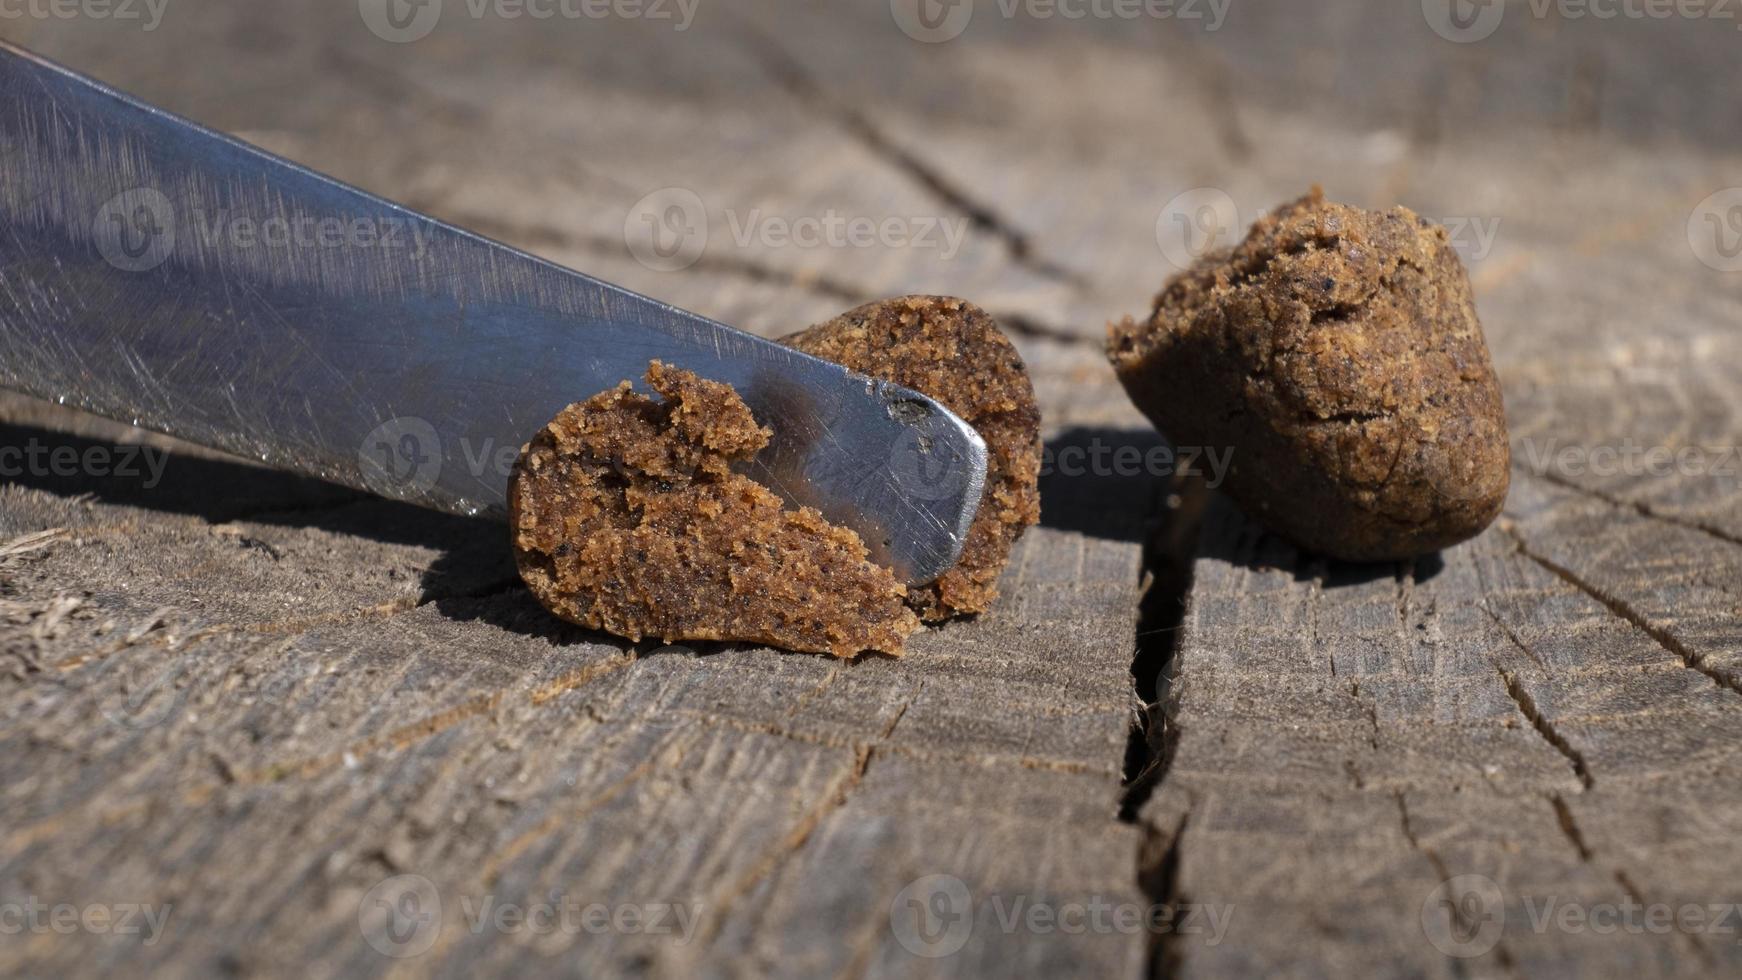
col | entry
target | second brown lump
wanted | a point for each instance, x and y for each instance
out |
(1337, 352)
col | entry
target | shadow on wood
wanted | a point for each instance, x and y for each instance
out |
(1098, 481)
(1234, 537)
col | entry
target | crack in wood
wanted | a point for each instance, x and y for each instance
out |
(1169, 553)
(581, 677)
(833, 799)
(1466, 927)
(1637, 894)
(1541, 724)
(1405, 577)
(1642, 509)
(1315, 596)
(798, 81)
(1166, 576)
(1158, 868)
(1690, 658)
(828, 681)
(1354, 774)
(1511, 636)
(538, 236)
(1569, 827)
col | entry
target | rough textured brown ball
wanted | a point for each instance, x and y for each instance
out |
(1337, 352)
(626, 516)
(952, 350)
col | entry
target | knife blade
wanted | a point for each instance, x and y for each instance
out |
(159, 273)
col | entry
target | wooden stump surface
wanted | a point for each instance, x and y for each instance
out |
(280, 711)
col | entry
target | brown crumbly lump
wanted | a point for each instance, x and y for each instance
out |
(626, 517)
(952, 350)
(1337, 351)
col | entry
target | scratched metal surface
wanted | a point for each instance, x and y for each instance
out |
(161, 274)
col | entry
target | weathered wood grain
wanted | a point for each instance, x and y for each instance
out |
(257, 698)
(1553, 706)
(260, 709)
